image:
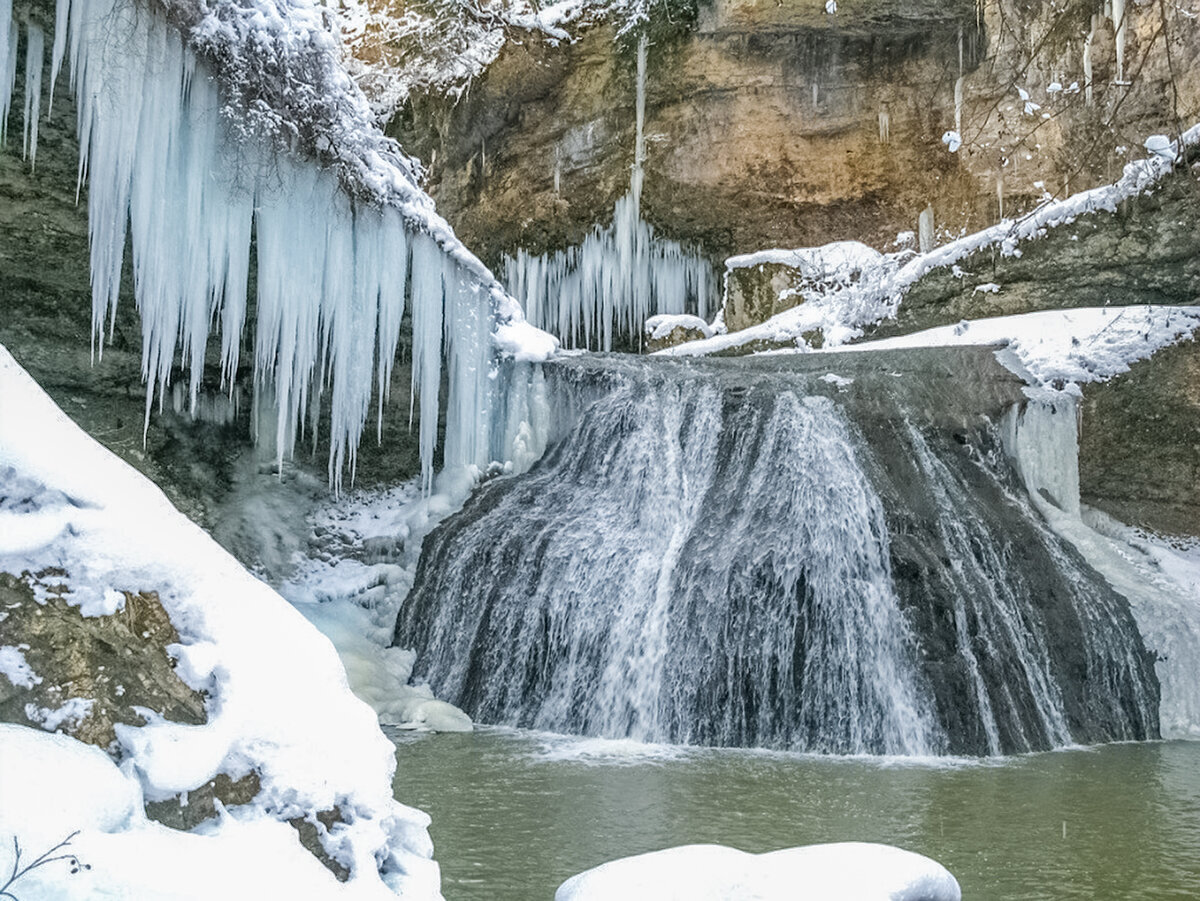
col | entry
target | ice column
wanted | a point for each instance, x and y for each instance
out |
(8, 62)
(35, 42)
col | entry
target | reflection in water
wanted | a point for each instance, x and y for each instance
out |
(516, 813)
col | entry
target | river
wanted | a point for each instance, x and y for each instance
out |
(516, 812)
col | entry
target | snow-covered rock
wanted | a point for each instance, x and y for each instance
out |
(278, 703)
(846, 871)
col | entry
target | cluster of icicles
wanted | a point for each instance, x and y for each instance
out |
(333, 274)
(619, 276)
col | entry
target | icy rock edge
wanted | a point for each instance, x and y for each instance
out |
(277, 700)
(202, 125)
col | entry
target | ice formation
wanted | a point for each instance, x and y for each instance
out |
(619, 276)
(35, 43)
(195, 140)
(8, 62)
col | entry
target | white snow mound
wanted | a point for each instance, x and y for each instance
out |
(846, 871)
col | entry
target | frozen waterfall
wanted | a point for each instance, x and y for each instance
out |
(763, 552)
(190, 172)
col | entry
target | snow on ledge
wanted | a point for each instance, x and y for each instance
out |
(847, 871)
(660, 326)
(278, 700)
(841, 315)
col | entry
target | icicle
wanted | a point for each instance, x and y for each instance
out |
(393, 282)
(885, 125)
(1118, 20)
(166, 177)
(925, 229)
(8, 63)
(959, 85)
(35, 43)
(639, 141)
(427, 303)
(619, 276)
(58, 51)
(1087, 63)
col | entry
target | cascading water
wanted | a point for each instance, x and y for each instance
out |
(619, 276)
(763, 553)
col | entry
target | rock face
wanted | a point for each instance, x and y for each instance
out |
(1147, 252)
(779, 124)
(1139, 445)
(1139, 450)
(113, 663)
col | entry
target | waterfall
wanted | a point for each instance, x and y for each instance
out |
(620, 276)
(761, 553)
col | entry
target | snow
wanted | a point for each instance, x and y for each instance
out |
(842, 314)
(839, 381)
(73, 711)
(1161, 146)
(442, 47)
(1080, 345)
(952, 140)
(56, 788)
(278, 700)
(659, 327)
(846, 871)
(14, 667)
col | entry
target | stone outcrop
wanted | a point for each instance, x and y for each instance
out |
(779, 124)
(1139, 444)
(115, 664)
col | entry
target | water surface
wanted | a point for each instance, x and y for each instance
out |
(515, 813)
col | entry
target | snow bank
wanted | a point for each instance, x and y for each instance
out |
(842, 314)
(54, 786)
(441, 47)
(278, 700)
(848, 871)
